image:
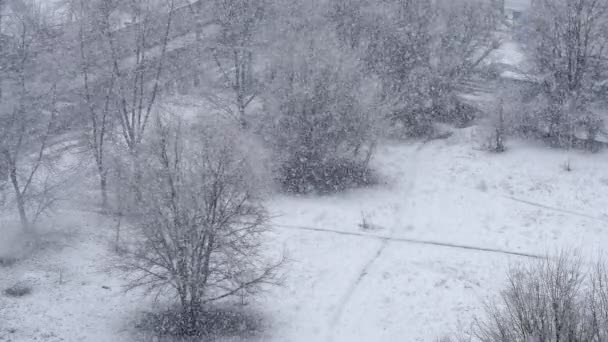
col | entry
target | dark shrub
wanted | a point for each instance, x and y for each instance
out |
(7, 261)
(211, 323)
(321, 119)
(18, 290)
(324, 176)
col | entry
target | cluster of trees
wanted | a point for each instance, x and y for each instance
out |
(98, 70)
(422, 51)
(317, 82)
(564, 99)
(313, 81)
(342, 72)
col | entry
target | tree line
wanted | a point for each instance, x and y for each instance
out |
(307, 87)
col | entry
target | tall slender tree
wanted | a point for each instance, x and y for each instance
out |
(28, 109)
(568, 45)
(234, 55)
(98, 85)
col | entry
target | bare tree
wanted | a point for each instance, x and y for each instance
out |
(98, 80)
(201, 224)
(399, 51)
(542, 302)
(568, 44)
(464, 37)
(423, 50)
(137, 62)
(137, 53)
(349, 20)
(597, 302)
(553, 299)
(27, 112)
(234, 55)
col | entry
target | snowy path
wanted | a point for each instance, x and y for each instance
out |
(344, 301)
(335, 319)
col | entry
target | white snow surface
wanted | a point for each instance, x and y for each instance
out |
(344, 283)
(509, 53)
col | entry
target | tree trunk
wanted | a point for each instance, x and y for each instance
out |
(135, 183)
(25, 224)
(194, 313)
(198, 8)
(138, 182)
(242, 118)
(103, 184)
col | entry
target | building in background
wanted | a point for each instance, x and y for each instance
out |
(514, 10)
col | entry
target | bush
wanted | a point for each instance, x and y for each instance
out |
(459, 113)
(531, 115)
(213, 322)
(18, 290)
(7, 261)
(553, 300)
(592, 124)
(326, 177)
(320, 122)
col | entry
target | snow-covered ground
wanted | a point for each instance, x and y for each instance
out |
(444, 225)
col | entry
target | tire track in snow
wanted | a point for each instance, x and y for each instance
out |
(556, 209)
(335, 319)
(412, 241)
(342, 304)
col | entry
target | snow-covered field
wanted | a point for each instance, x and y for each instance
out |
(442, 228)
